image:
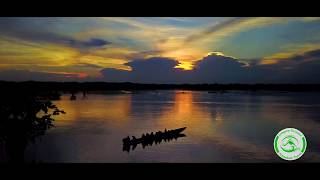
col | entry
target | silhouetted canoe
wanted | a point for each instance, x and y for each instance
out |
(167, 134)
(177, 131)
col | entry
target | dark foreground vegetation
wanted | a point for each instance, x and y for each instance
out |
(42, 87)
(24, 115)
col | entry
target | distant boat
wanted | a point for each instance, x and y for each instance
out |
(73, 97)
(126, 92)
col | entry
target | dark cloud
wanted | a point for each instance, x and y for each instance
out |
(211, 69)
(116, 75)
(152, 63)
(155, 70)
(88, 44)
(152, 70)
(298, 69)
(307, 56)
(27, 29)
(220, 69)
(302, 68)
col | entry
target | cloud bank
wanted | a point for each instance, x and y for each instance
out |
(19, 28)
(216, 68)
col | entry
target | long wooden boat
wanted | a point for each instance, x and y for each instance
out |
(148, 139)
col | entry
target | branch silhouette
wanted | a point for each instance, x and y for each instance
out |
(23, 117)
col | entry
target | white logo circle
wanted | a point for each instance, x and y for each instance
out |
(290, 144)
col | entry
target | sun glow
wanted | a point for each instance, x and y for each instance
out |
(185, 65)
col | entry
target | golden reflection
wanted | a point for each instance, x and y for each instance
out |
(183, 105)
(204, 123)
(109, 108)
(186, 112)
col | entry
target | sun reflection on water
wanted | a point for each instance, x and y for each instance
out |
(111, 108)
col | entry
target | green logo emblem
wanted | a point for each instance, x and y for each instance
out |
(290, 144)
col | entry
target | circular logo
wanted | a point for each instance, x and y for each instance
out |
(290, 144)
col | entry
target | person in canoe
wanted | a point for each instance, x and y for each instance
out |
(133, 138)
(126, 140)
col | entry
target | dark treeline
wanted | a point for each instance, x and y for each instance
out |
(35, 87)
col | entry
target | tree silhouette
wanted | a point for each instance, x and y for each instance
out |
(23, 117)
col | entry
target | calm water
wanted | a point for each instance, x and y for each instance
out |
(229, 127)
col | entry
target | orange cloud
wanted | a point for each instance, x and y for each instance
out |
(288, 52)
(71, 74)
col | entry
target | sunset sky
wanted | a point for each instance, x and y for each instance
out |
(161, 49)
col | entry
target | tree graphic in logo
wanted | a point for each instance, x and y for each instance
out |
(290, 144)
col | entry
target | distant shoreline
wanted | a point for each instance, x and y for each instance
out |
(108, 86)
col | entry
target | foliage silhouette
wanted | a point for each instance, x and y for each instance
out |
(23, 117)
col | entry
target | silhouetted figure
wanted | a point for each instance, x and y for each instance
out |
(134, 146)
(126, 140)
(84, 94)
(126, 148)
(73, 97)
(147, 136)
